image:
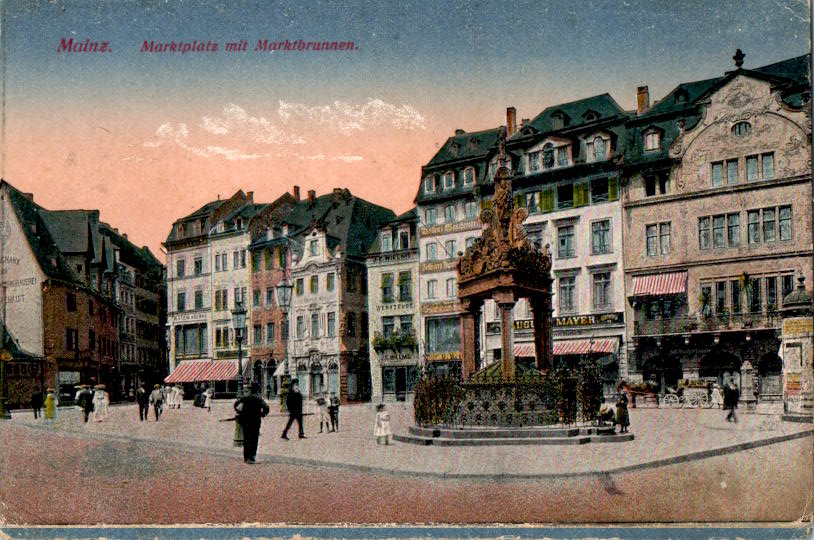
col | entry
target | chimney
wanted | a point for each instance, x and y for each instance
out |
(297, 193)
(337, 195)
(250, 196)
(524, 122)
(642, 100)
(511, 121)
(312, 196)
(29, 196)
(459, 132)
(124, 236)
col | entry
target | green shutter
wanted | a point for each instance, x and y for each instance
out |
(613, 189)
(518, 201)
(579, 194)
(547, 200)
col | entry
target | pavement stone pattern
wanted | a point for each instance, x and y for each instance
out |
(662, 436)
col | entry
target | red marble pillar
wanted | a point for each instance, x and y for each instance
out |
(506, 340)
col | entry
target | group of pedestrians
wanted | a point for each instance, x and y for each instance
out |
(49, 401)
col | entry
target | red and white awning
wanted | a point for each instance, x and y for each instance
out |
(190, 371)
(659, 284)
(572, 346)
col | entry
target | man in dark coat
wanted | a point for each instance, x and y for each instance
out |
(36, 403)
(731, 397)
(333, 411)
(143, 399)
(293, 402)
(250, 411)
(85, 402)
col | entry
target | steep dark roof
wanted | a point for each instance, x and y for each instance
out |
(349, 221)
(603, 105)
(39, 236)
(795, 69)
(464, 146)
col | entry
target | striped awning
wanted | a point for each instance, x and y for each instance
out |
(190, 371)
(572, 346)
(659, 284)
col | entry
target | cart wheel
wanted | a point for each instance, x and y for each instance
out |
(695, 401)
(671, 400)
(704, 401)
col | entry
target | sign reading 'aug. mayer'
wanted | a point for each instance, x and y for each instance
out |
(575, 321)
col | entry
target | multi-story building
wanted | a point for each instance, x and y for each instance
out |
(269, 265)
(717, 222)
(565, 165)
(392, 272)
(137, 289)
(229, 241)
(447, 210)
(60, 278)
(329, 238)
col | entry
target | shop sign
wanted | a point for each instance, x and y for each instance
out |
(399, 306)
(448, 228)
(793, 384)
(590, 320)
(437, 266)
(189, 317)
(444, 357)
(440, 307)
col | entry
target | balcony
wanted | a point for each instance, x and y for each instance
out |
(721, 322)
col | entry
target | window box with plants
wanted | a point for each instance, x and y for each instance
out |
(395, 342)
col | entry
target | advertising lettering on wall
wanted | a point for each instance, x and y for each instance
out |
(448, 228)
(440, 307)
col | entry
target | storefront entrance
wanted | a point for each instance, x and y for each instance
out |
(398, 382)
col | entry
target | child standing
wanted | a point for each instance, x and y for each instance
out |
(382, 430)
(208, 399)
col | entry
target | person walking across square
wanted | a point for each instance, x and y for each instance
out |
(143, 399)
(333, 410)
(250, 411)
(36, 403)
(381, 430)
(731, 397)
(157, 399)
(51, 403)
(293, 402)
(84, 400)
(322, 411)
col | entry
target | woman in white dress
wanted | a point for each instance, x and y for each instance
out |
(100, 402)
(382, 428)
(717, 399)
(208, 399)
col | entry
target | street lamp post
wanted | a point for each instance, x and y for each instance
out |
(284, 288)
(238, 321)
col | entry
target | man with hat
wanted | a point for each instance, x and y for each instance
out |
(143, 399)
(250, 411)
(157, 399)
(293, 402)
(84, 399)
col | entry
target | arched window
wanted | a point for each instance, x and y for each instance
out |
(599, 148)
(429, 184)
(469, 176)
(449, 180)
(741, 129)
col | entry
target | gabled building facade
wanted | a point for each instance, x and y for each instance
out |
(329, 238)
(717, 224)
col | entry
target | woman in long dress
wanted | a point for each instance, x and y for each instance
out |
(100, 402)
(208, 399)
(382, 429)
(51, 403)
(622, 417)
(717, 399)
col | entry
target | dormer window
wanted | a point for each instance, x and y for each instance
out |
(559, 120)
(652, 140)
(681, 96)
(597, 149)
(404, 239)
(313, 247)
(590, 116)
(239, 223)
(449, 180)
(429, 184)
(469, 176)
(387, 241)
(473, 144)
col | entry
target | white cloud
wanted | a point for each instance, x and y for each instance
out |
(287, 129)
(347, 119)
(178, 133)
